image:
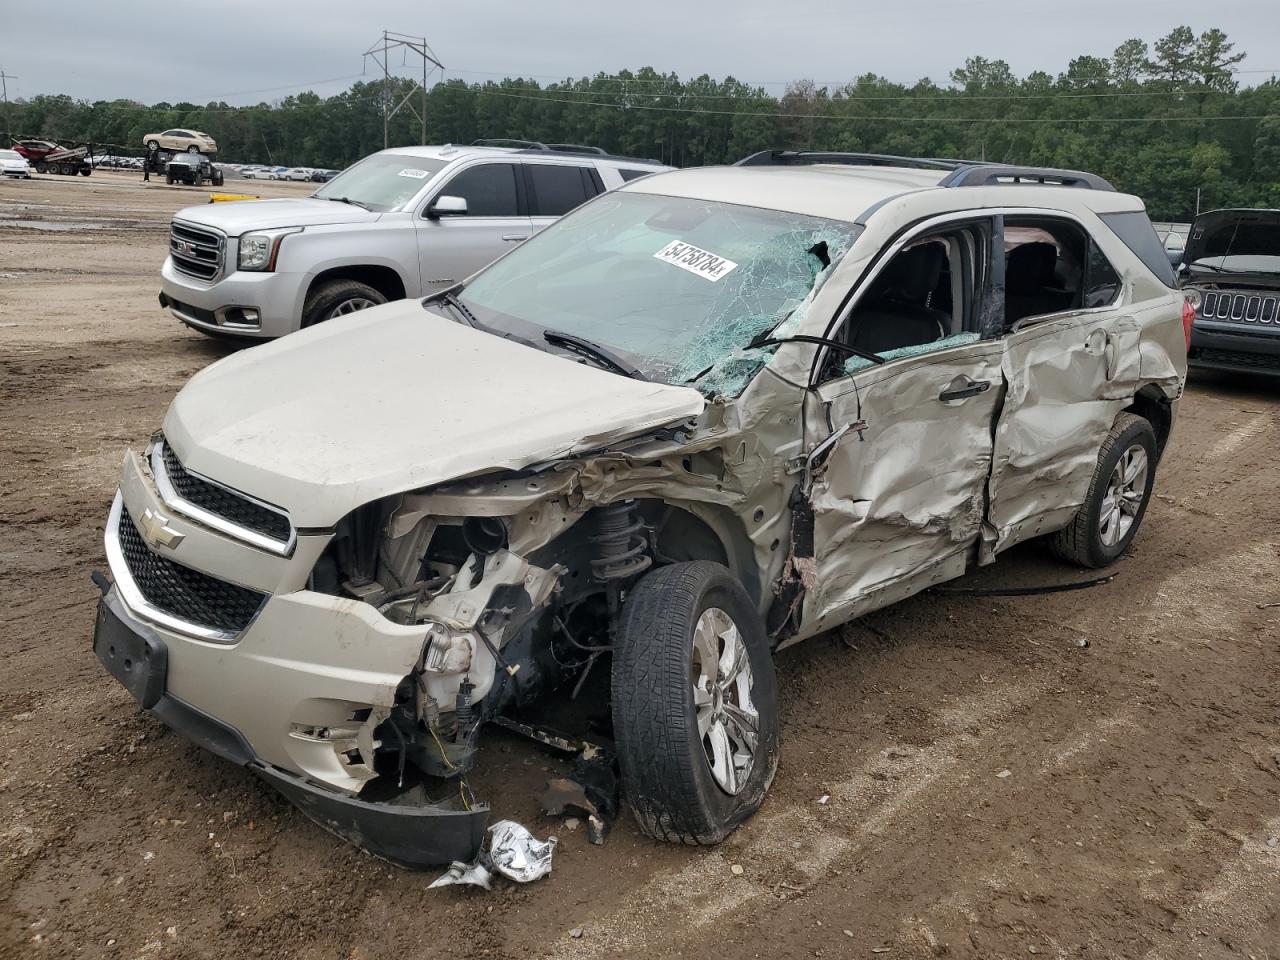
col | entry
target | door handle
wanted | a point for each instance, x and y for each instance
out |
(515, 237)
(962, 388)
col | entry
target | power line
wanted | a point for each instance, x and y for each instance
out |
(883, 119)
(951, 96)
(562, 78)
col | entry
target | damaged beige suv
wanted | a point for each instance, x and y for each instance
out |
(701, 418)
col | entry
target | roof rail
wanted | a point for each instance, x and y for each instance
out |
(576, 148)
(996, 174)
(786, 158)
(508, 142)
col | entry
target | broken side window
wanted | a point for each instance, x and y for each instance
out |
(676, 286)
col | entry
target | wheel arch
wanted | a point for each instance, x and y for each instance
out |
(386, 280)
(700, 531)
(1151, 403)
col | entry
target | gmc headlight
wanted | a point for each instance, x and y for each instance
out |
(258, 251)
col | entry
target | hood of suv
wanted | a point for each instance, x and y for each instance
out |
(1235, 247)
(396, 398)
(244, 216)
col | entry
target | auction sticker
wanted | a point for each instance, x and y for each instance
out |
(703, 263)
(415, 173)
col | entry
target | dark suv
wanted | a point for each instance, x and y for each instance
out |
(1232, 261)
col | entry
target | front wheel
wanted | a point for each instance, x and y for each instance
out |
(193, 149)
(695, 710)
(337, 298)
(1108, 520)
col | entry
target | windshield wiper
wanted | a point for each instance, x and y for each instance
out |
(449, 296)
(592, 351)
(354, 203)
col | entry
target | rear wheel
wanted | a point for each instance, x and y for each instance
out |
(193, 149)
(1109, 518)
(337, 298)
(153, 145)
(694, 703)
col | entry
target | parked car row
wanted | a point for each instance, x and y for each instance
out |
(683, 420)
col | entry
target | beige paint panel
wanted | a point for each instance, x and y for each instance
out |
(1067, 379)
(910, 493)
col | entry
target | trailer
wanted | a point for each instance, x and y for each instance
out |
(49, 157)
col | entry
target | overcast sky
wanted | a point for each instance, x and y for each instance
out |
(247, 51)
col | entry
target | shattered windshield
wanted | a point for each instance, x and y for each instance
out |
(381, 182)
(676, 286)
(1240, 247)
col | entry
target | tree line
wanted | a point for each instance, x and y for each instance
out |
(1169, 121)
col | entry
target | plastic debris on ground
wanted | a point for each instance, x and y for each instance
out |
(590, 792)
(517, 854)
(464, 874)
(513, 852)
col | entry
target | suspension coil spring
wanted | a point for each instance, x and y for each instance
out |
(621, 544)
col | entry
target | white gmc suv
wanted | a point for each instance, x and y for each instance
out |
(401, 223)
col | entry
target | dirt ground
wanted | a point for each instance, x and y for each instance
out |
(995, 788)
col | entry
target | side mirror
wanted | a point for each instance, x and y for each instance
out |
(447, 206)
(1175, 256)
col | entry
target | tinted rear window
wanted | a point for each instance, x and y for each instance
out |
(1135, 229)
(629, 175)
(556, 189)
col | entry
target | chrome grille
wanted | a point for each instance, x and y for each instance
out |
(181, 592)
(1261, 307)
(219, 507)
(196, 252)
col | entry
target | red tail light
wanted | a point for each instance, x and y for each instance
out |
(1188, 320)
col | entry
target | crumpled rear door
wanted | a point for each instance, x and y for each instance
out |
(1067, 379)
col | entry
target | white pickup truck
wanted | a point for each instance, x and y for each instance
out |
(404, 222)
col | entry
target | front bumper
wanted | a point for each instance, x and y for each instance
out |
(417, 835)
(219, 306)
(1224, 346)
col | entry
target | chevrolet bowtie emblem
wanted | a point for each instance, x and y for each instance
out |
(156, 530)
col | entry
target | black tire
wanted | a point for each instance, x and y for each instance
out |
(85, 171)
(153, 145)
(168, 178)
(1081, 542)
(217, 179)
(329, 296)
(193, 149)
(40, 167)
(666, 774)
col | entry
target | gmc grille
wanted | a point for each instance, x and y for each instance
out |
(1240, 307)
(223, 502)
(182, 592)
(195, 251)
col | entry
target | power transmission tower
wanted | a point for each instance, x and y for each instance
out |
(4, 89)
(380, 52)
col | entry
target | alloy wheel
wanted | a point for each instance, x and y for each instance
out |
(728, 722)
(350, 306)
(1126, 490)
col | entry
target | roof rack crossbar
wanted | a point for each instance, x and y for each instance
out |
(996, 174)
(783, 158)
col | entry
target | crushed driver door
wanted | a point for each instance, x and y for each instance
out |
(899, 500)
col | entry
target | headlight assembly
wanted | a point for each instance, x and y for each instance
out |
(259, 251)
